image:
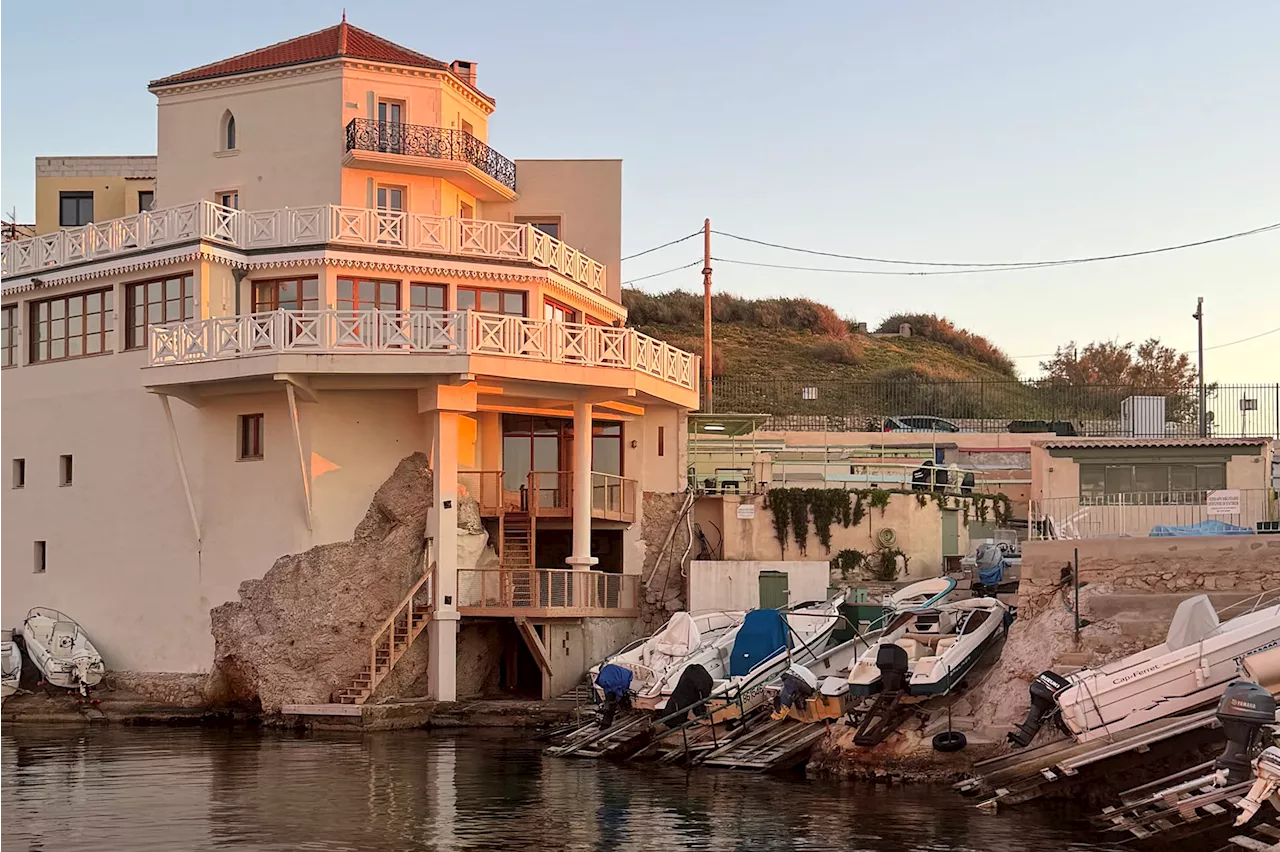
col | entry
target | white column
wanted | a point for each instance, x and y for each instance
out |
(581, 557)
(442, 527)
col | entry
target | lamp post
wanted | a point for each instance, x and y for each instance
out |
(1198, 316)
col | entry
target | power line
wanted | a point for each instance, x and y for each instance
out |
(863, 271)
(1007, 265)
(664, 245)
(1187, 352)
(664, 272)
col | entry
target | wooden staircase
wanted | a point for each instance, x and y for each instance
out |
(517, 539)
(393, 638)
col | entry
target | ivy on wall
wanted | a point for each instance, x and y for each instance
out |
(793, 508)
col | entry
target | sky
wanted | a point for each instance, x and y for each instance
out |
(955, 132)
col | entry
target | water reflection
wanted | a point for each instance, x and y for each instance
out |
(160, 789)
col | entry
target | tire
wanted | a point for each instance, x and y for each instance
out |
(949, 741)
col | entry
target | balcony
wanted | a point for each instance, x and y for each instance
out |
(404, 334)
(324, 225)
(549, 494)
(454, 155)
(543, 593)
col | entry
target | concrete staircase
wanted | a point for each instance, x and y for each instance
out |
(390, 642)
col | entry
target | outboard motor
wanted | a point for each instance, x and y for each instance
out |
(894, 665)
(1268, 771)
(1245, 707)
(690, 693)
(1044, 697)
(615, 682)
(798, 686)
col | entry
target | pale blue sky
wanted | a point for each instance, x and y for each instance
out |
(982, 131)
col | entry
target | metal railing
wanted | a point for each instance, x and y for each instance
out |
(613, 498)
(1236, 410)
(301, 226)
(438, 143)
(409, 332)
(1152, 513)
(546, 592)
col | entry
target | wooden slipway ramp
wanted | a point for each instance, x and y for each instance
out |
(1028, 774)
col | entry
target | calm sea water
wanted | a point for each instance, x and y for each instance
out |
(115, 788)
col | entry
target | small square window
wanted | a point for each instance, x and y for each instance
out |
(65, 471)
(250, 437)
(19, 473)
(39, 554)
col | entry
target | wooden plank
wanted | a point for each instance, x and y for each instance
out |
(534, 642)
(321, 709)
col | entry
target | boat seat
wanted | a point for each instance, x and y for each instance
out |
(926, 639)
(913, 648)
(945, 643)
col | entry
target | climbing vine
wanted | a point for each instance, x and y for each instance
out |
(848, 563)
(878, 498)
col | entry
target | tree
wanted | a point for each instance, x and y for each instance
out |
(1120, 370)
(1149, 364)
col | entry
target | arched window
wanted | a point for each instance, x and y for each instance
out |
(228, 139)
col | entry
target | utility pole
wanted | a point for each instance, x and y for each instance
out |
(707, 315)
(1198, 316)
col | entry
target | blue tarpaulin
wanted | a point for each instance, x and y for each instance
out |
(763, 634)
(1202, 528)
(614, 681)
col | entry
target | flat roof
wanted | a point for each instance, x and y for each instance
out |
(1120, 443)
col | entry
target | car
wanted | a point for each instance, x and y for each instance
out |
(918, 423)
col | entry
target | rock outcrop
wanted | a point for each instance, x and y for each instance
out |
(302, 632)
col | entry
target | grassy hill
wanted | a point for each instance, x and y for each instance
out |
(800, 339)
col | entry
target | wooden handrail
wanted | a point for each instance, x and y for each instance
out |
(388, 627)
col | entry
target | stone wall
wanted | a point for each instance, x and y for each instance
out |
(664, 568)
(1155, 565)
(173, 689)
(138, 166)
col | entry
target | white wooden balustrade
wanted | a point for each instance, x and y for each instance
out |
(302, 226)
(408, 332)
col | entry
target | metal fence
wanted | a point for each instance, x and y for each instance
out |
(1233, 411)
(1160, 513)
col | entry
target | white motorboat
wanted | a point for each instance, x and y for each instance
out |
(1189, 670)
(652, 658)
(924, 593)
(10, 668)
(60, 650)
(936, 648)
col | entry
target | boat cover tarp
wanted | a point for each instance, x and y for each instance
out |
(763, 634)
(1208, 527)
(1195, 619)
(614, 681)
(691, 690)
(677, 640)
(990, 563)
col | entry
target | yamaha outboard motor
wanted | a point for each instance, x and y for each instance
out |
(691, 691)
(1044, 698)
(894, 665)
(1245, 707)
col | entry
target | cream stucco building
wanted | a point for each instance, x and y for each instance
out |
(338, 270)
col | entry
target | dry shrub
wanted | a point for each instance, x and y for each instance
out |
(941, 330)
(846, 351)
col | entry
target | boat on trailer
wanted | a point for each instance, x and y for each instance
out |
(1192, 668)
(650, 660)
(922, 654)
(10, 667)
(60, 649)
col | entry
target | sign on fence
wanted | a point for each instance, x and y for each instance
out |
(746, 511)
(1226, 502)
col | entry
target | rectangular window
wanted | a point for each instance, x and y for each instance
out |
(1150, 484)
(9, 335)
(250, 437)
(228, 198)
(146, 198)
(606, 447)
(39, 557)
(662, 441)
(19, 476)
(290, 294)
(391, 198)
(549, 225)
(390, 127)
(509, 302)
(75, 209)
(65, 471)
(466, 211)
(72, 326)
(427, 297)
(556, 312)
(149, 303)
(466, 126)
(359, 294)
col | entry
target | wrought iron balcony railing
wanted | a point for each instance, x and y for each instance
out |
(440, 143)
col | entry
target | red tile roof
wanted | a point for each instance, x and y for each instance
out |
(334, 42)
(1114, 443)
